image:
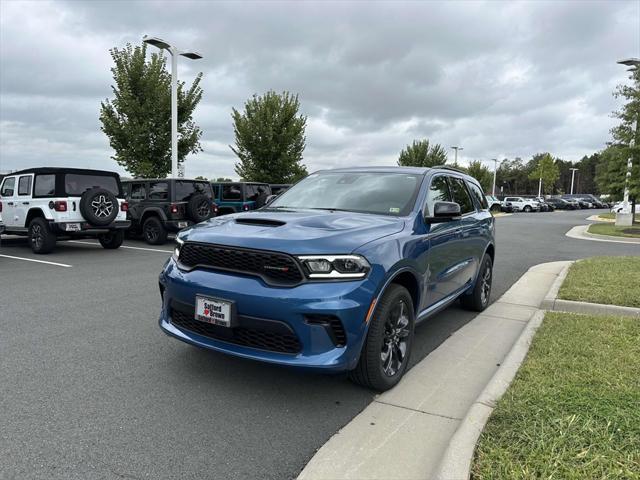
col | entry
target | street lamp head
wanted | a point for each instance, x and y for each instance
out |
(630, 62)
(156, 42)
(191, 55)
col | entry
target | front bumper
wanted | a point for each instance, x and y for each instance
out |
(85, 228)
(294, 307)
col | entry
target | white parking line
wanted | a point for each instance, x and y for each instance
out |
(123, 246)
(37, 261)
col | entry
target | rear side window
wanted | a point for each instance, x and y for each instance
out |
(159, 191)
(77, 184)
(44, 186)
(24, 185)
(8, 187)
(138, 191)
(438, 192)
(481, 200)
(184, 190)
(252, 193)
(461, 195)
(231, 192)
(216, 190)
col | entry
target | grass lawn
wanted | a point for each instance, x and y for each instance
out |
(610, 280)
(612, 216)
(572, 411)
(611, 229)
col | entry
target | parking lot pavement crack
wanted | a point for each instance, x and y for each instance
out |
(417, 410)
(505, 318)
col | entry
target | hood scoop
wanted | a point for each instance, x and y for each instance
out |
(260, 222)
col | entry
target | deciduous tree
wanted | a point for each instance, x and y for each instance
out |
(421, 154)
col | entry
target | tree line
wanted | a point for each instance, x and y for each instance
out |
(270, 137)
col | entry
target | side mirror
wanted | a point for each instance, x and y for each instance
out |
(444, 212)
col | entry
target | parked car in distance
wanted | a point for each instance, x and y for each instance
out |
(336, 272)
(544, 205)
(1, 224)
(586, 200)
(497, 205)
(162, 205)
(561, 204)
(47, 204)
(278, 188)
(232, 197)
(521, 204)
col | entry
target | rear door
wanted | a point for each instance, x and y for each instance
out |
(137, 195)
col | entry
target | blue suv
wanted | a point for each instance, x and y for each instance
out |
(336, 272)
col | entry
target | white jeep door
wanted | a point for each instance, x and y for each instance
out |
(7, 197)
(23, 199)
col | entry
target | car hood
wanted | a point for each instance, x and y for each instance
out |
(296, 232)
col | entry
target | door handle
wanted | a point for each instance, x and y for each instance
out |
(9, 203)
(25, 203)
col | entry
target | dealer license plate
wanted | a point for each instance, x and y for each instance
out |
(213, 310)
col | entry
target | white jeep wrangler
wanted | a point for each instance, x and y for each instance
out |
(48, 203)
(520, 204)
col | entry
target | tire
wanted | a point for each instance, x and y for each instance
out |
(478, 299)
(99, 206)
(111, 240)
(153, 231)
(373, 371)
(527, 208)
(199, 208)
(495, 208)
(41, 239)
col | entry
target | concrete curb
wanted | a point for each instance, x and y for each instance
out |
(596, 218)
(552, 302)
(456, 462)
(580, 232)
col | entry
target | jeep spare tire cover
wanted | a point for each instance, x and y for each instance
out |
(99, 206)
(199, 208)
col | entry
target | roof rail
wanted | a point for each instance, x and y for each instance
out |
(449, 167)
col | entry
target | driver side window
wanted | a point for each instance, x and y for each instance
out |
(438, 192)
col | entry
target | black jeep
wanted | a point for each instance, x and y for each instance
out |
(160, 206)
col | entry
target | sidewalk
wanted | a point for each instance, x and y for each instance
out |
(404, 433)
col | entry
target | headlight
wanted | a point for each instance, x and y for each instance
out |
(321, 267)
(176, 250)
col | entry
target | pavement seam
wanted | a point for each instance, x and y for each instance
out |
(504, 318)
(417, 410)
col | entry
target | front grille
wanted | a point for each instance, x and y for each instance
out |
(332, 325)
(274, 268)
(274, 337)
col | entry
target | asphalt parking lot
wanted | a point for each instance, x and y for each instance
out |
(91, 388)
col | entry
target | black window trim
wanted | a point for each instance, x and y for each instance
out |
(479, 208)
(30, 190)
(13, 189)
(55, 185)
(468, 193)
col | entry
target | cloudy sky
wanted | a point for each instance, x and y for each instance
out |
(497, 78)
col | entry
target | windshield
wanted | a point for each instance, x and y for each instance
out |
(185, 189)
(366, 192)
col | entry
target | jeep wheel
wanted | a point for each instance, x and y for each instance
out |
(527, 208)
(387, 348)
(495, 208)
(111, 240)
(153, 231)
(99, 206)
(478, 299)
(199, 208)
(41, 239)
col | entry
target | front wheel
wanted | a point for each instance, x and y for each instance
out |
(153, 231)
(111, 240)
(387, 348)
(41, 239)
(527, 209)
(478, 299)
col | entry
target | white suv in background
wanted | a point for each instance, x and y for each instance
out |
(48, 203)
(520, 204)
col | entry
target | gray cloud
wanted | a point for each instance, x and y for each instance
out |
(500, 79)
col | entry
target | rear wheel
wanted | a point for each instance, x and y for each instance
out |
(153, 231)
(111, 240)
(385, 354)
(527, 208)
(41, 239)
(478, 299)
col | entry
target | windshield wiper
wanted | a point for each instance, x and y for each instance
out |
(330, 209)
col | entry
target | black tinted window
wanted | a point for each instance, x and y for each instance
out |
(8, 187)
(438, 192)
(184, 190)
(231, 192)
(159, 191)
(481, 200)
(461, 195)
(216, 190)
(24, 185)
(138, 191)
(77, 184)
(45, 186)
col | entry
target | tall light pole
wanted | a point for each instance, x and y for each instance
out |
(573, 175)
(634, 63)
(495, 173)
(162, 45)
(456, 157)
